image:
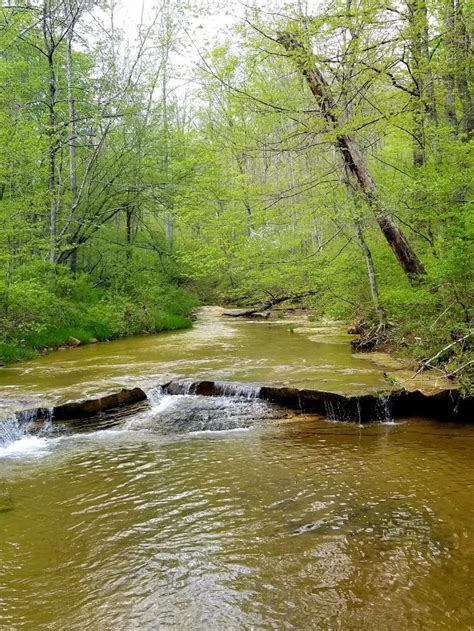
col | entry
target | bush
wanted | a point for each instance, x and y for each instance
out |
(11, 353)
(43, 308)
(171, 322)
(56, 337)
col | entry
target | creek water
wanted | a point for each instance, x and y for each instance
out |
(191, 512)
(301, 353)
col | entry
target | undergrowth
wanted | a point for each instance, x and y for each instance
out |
(41, 311)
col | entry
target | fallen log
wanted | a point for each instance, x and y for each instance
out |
(263, 310)
(426, 363)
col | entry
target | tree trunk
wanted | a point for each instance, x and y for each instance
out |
(52, 144)
(425, 114)
(245, 199)
(72, 133)
(264, 307)
(166, 48)
(129, 230)
(354, 161)
(73, 261)
(449, 77)
(374, 290)
(463, 65)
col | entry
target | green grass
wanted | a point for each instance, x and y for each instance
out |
(10, 353)
(171, 322)
(40, 310)
(57, 337)
(53, 338)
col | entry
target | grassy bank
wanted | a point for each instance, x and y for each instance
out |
(47, 311)
(50, 339)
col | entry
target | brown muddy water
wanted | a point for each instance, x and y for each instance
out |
(215, 348)
(200, 513)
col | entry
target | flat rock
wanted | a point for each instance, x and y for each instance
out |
(89, 407)
(428, 382)
(381, 359)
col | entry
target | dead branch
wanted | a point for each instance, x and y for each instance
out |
(263, 309)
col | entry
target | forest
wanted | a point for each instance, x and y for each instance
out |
(319, 153)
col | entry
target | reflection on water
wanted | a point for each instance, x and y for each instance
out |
(228, 350)
(295, 523)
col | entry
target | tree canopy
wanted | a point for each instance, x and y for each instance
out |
(322, 150)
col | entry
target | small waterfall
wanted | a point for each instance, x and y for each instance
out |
(177, 414)
(188, 387)
(25, 423)
(10, 430)
(183, 386)
(358, 412)
(213, 388)
(154, 396)
(26, 417)
(336, 411)
(344, 411)
(47, 415)
(159, 400)
(383, 409)
(243, 390)
(330, 411)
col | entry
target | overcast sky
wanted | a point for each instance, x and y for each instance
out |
(211, 22)
(199, 30)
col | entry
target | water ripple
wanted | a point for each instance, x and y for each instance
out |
(291, 525)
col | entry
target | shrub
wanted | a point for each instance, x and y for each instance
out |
(43, 309)
(12, 353)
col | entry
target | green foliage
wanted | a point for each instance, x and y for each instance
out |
(170, 322)
(45, 307)
(12, 353)
(242, 196)
(272, 213)
(55, 337)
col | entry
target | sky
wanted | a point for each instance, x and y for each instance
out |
(201, 25)
(199, 31)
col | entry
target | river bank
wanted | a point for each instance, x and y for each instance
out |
(65, 338)
(42, 312)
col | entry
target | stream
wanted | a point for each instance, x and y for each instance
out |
(193, 512)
